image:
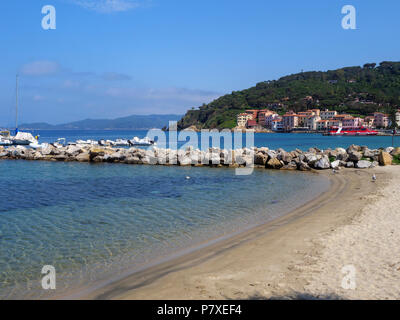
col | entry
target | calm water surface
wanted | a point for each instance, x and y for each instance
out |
(93, 222)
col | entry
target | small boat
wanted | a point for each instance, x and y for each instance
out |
(351, 131)
(87, 142)
(20, 138)
(121, 143)
(146, 141)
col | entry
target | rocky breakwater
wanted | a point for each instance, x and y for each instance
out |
(312, 159)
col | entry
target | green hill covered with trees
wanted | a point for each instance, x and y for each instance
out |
(353, 90)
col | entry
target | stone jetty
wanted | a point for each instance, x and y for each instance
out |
(313, 159)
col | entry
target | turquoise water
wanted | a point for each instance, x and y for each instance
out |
(287, 141)
(93, 222)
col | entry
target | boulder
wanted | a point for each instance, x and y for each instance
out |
(260, 158)
(117, 156)
(368, 153)
(132, 160)
(389, 149)
(353, 147)
(73, 150)
(274, 163)
(304, 166)
(271, 154)
(322, 163)
(340, 150)
(333, 154)
(395, 152)
(48, 149)
(83, 157)
(363, 164)
(335, 164)
(354, 155)
(290, 166)
(385, 159)
(286, 157)
(374, 164)
(350, 164)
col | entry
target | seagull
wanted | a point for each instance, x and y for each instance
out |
(373, 177)
(334, 171)
(187, 177)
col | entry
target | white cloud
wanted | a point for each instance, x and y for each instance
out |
(40, 68)
(107, 6)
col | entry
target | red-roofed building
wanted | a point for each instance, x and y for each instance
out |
(290, 121)
(251, 124)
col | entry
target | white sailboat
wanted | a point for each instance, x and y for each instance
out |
(20, 138)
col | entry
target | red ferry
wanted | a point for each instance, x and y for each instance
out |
(351, 131)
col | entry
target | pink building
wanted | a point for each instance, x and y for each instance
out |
(290, 121)
(381, 120)
(351, 122)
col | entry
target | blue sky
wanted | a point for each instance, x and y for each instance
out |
(112, 58)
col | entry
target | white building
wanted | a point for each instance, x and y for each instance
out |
(242, 119)
(328, 114)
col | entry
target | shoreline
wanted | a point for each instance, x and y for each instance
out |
(226, 270)
(139, 281)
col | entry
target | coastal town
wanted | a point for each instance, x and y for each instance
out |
(313, 120)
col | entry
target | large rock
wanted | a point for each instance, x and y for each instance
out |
(271, 154)
(335, 164)
(395, 152)
(260, 158)
(304, 166)
(368, 153)
(363, 164)
(353, 147)
(83, 157)
(274, 163)
(48, 150)
(286, 157)
(385, 159)
(350, 164)
(389, 149)
(132, 160)
(73, 150)
(322, 163)
(290, 166)
(354, 155)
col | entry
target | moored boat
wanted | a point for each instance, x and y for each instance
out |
(351, 131)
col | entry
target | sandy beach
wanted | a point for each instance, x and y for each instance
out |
(342, 245)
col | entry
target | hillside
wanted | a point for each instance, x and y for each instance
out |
(134, 122)
(354, 90)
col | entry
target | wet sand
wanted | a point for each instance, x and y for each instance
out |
(300, 255)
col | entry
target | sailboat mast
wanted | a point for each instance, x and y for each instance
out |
(16, 105)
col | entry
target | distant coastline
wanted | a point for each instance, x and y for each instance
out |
(133, 122)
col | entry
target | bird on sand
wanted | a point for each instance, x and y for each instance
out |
(373, 177)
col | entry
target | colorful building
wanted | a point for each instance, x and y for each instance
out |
(328, 114)
(290, 121)
(242, 119)
(381, 120)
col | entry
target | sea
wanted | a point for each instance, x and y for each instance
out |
(96, 222)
